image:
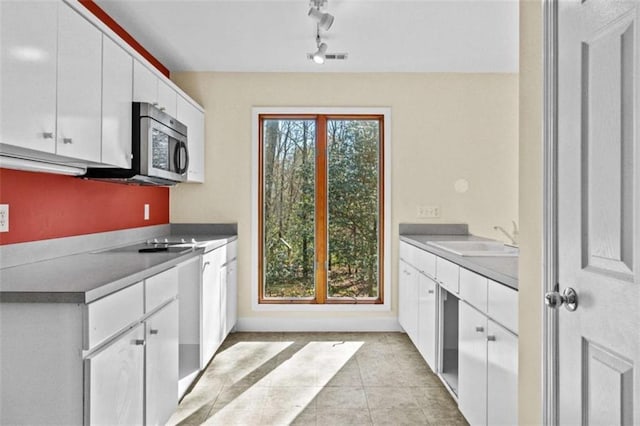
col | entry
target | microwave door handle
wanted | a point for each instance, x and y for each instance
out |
(181, 148)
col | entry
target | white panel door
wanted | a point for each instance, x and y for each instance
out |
(117, 95)
(427, 319)
(161, 394)
(79, 87)
(502, 376)
(114, 382)
(472, 365)
(28, 74)
(599, 211)
(194, 119)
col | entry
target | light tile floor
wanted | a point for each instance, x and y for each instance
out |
(318, 379)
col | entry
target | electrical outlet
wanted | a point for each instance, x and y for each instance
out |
(428, 212)
(146, 212)
(4, 217)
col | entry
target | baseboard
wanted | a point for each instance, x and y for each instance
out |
(318, 324)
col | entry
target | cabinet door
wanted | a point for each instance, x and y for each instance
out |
(166, 98)
(28, 74)
(472, 365)
(194, 119)
(408, 300)
(117, 94)
(212, 327)
(114, 380)
(232, 295)
(162, 365)
(502, 376)
(427, 320)
(145, 84)
(79, 87)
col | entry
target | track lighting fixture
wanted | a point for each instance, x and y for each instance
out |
(324, 20)
(319, 56)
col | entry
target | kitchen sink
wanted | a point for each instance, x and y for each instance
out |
(476, 248)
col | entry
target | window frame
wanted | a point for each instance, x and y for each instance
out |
(324, 303)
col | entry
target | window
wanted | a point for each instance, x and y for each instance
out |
(320, 209)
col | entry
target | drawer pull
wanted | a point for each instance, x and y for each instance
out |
(491, 338)
(153, 331)
(207, 263)
(431, 291)
(47, 135)
(480, 329)
(67, 140)
(140, 342)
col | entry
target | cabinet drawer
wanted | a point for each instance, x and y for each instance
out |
(447, 274)
(473, 289)
(503, 305)
(160, 288)
(112, 313)
(426, 262)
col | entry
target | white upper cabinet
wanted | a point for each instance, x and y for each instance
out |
(145, 84)
(148, 87)
(167, 98)
(28, 73)
(188, 114)
(79, 87)
(117, 92)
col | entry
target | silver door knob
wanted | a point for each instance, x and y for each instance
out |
(568, 298)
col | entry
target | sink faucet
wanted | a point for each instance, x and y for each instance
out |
(512, 237)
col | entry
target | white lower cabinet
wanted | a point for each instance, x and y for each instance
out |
(212, 323)
(488, 370)
(114, 382)
(502, 376)
(427, 319)
(161, 369)
(408, 300)
(472, 364)
(232, 295)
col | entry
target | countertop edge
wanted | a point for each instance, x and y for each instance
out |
(465, 261)
(104, 289)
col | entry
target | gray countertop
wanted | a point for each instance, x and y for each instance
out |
(502, 269)
(85, 277)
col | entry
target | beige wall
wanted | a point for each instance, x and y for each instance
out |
(443, 127)
(530, 306)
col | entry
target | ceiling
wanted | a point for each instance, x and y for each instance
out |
(276, 35)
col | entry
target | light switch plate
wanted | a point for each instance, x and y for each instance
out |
(4, 217)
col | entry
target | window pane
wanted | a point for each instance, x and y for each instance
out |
(288, 216)
(353, 206)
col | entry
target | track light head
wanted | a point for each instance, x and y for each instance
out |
(324, 20)
(319, 56)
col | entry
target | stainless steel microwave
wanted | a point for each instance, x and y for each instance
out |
(159, 147)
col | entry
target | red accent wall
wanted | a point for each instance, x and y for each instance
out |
(108, 20)
(44, 206)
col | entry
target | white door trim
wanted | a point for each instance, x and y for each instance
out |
(550, 231)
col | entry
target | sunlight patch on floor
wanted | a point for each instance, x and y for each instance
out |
(289, 388)
(232, 365)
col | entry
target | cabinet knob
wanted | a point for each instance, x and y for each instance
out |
(207, 263)
(47, 135)
(140, 342)
(67, 140)
(162, 108)
(153, 331)
(479, 329)
(491, 338)
(431, 291)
